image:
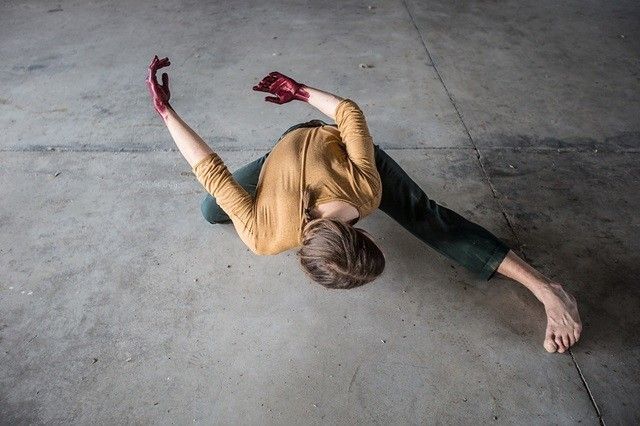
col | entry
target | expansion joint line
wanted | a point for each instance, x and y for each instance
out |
(491, 186)
(494, 192)
(586, 385)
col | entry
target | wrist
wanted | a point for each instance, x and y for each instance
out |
(302, 94)
(166, 112)
(547, 293)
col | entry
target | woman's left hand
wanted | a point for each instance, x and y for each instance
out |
(284, 88)
(160, 93)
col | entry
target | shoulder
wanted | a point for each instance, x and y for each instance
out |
(268, 250)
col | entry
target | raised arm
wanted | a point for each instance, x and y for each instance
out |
(348, 116)
(191, 146)
(206, 164)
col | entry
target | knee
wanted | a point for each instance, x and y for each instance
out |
(211, 212)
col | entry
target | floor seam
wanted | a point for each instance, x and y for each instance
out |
(492, 188)
(586, 385)
(72, 149)
(464, 126)
(66, 148)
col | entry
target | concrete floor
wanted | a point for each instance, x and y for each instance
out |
(119, 304)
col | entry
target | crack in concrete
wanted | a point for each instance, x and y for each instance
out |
(353, 378)
(492, 188)
(586, 385)
(465, 128)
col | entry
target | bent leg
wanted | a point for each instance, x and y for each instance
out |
(446, 231)
(247, 176)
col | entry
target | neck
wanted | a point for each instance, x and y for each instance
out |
(337, 210)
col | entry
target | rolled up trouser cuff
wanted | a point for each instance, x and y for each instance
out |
(493, 262)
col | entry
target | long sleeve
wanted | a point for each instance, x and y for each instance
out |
(215, 177)
(356, 137)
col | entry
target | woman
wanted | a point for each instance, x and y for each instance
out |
(320, 179)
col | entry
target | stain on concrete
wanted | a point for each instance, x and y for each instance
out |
(102, 110)
(21, 412)
(628, 140)
(35, 67)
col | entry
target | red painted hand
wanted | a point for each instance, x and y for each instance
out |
(159, 92)
(284, 88)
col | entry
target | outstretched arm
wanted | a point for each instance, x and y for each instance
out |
(346, 113)
(192, 147)
(205, 163)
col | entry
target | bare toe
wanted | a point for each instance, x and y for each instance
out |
(565, 341)
(563, 320)
(549, 345)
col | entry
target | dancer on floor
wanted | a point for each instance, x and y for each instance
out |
(320, 179)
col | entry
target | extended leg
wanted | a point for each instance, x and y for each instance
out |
(247, 176)
(441, 228)
(476, 248)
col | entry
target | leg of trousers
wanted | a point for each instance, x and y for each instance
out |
(447, 232)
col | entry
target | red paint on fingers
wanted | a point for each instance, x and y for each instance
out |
(160, 93)
(284, 88)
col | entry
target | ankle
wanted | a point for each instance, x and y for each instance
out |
(551, 294)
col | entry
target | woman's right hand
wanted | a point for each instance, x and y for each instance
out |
(160, 93)
(284, 88)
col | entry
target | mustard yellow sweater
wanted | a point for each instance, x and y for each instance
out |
(338, 164)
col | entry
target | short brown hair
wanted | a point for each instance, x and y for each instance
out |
(337, 255)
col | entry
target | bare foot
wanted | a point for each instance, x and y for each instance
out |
(563, 321)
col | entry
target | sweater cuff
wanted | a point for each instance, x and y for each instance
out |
(207, 159)
(343, 107)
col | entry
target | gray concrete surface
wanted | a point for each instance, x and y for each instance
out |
(119, 304)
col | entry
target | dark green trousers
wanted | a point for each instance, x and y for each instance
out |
(446, 231)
